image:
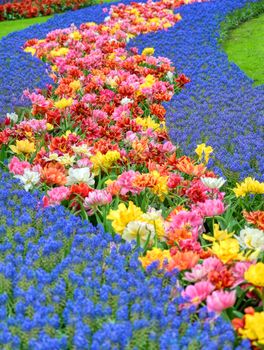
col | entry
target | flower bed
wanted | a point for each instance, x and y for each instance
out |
(222, 104)
(19, 70)
(68, 285)
(33, 8)
(214, 80)
(97, 142)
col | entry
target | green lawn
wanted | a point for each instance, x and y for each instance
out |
(7, 27)
(245, 47)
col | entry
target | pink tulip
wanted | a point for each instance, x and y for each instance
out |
(238, 271)
(200, 271)
(96, 198)
(17, 166)
(220, 300)
(56, 196)
(84, 162)
(197, 273)
(212, 264)
(198, 292)
(189, 219)
(125, 181)
(210, 207)
(35, 124)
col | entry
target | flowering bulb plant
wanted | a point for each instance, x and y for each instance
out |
(97, 142)
(66, 284)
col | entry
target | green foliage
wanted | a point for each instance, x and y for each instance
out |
(240, 16)
(242, 39)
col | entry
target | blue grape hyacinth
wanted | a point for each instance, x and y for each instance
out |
(65, 284)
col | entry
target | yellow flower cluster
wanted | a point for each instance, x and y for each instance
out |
(68, 133)
(161, 187)
(254, 328)
(148, 51)
(134, 11)
(156, 254)
(104, 161)
(204, 152)
(75, 85)
(59, 52)
(54, 68)
(157, 221)
(115, 28)
(227, 250)
(91, 24)
(149, 123)
(63, 103)
(149, 81)
(49, 127)
(219, 235)
(123, 215)
(30, 50)
(249, 185)
(23, 146)
(75, 35)
(66, 159)
(255, 274)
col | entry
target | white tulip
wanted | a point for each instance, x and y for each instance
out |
(12, 116)
(29, 178)
(126, 101)
(82, 149)
(77, 175)
(138, 228)
(169, 76)
(212, 182)
(251, 238)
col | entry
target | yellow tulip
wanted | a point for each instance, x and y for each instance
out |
(23, 146)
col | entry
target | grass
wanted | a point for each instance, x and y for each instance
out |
(7, 27)
(244, 46)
